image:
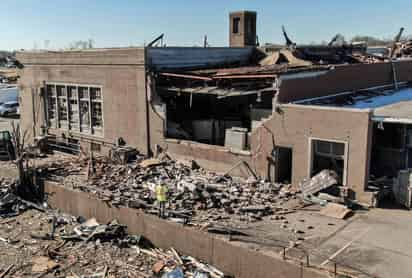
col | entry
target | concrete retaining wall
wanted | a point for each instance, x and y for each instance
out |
(227, 256)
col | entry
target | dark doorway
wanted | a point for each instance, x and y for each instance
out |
(283, 169)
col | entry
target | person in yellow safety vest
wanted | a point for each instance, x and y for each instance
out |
(161, 197)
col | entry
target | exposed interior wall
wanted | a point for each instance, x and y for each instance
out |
(209, 157)
(343, 79)
(120, 73)
(206, 118)
(215, 158)
(293, 126)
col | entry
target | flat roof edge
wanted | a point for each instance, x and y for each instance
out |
(330, 108)
(391, 120)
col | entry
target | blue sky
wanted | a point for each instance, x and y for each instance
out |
(26, 24)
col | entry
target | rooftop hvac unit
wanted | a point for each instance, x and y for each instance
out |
(236, 138)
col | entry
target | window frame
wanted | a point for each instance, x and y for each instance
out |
(345, 157)
(71, 126)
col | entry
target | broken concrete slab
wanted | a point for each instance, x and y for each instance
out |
(321, 181)
(336, 211)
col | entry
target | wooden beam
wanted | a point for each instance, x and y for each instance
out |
(246, 76)
(187, 76)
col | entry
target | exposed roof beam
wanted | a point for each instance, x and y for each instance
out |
(186, 76)
(245, 76)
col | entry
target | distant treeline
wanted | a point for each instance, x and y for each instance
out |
(373, 41)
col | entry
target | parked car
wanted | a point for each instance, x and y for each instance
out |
(6, 146)
(9, 108)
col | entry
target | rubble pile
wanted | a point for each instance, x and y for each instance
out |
(10, 203)
(38, 244)
(406, 49)
(195, 195)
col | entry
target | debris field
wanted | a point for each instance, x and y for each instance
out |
(196, 197)
(52, 244)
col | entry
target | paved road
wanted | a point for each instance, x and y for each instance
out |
(378, 243)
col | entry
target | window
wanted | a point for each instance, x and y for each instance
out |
(329, 155)
(62, 106)
(75, 107)
(84, 109)
(74, 119)
(51, 106)
(329, 148)
(5, 136)
(97, 116)
(236, 25)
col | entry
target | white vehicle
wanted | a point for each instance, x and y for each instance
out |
(9, 108)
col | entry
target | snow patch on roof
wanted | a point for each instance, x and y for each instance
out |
(382, 100)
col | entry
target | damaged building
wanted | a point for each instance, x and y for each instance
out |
(238, 109)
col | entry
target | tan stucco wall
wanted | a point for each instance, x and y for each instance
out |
(120, 72)
(294, 125)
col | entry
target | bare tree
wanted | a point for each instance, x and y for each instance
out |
(371, 41)
(90, 43)
(46, 44)
(80, 44)
(19, 143)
